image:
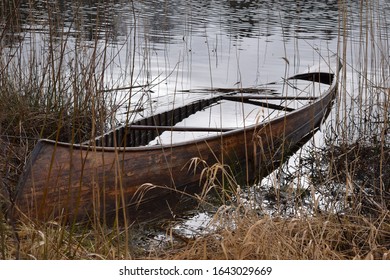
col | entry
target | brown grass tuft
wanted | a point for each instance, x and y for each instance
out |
(331, 237)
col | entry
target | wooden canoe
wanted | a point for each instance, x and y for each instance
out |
(120, 173)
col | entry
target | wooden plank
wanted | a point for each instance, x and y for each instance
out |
(265, 97)
(264, 104)
(178, 128)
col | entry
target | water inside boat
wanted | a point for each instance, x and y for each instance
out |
(243, 109)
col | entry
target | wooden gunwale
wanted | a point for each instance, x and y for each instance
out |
(318, 100)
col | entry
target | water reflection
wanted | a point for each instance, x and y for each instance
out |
(221, 42)
(239, 19)
(167, 21)
(191, 43)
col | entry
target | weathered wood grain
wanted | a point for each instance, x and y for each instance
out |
(116, 175)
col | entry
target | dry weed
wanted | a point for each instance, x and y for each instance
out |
(320, 238)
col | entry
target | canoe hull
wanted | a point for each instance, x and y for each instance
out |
(88, 182)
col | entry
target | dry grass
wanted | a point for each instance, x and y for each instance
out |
(53, 241)
(241, 234)
(331, 237)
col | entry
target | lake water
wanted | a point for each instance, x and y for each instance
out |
(175, 45)
(189, 44)
(170, 46)
(185, 44)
